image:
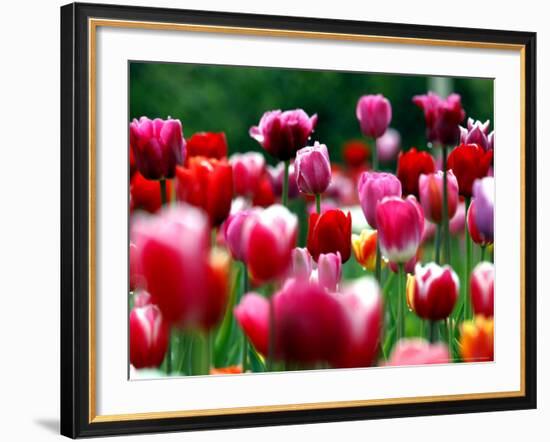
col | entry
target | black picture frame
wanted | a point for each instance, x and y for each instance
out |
(75, 195)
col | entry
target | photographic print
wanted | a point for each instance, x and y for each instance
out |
(289, 219)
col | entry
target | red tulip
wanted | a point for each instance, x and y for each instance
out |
(208, 184)
(217, 291)
(410, 165)
(248, 171)
(432, 291)
(400, 226)
(329, 232)
(418, 352)
(148, 337)
(264, 195)
(356, 154)
(477, 339)
(136, 275)
(207, 144)
(431, 195)
(469, 162)
(145, 193)
(158, 146)
(482, 292)
(283, 133)
(269, 236)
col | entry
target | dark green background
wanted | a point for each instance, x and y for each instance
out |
(231, 99)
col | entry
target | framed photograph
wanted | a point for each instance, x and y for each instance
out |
(279, 220)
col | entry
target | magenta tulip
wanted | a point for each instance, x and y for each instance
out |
(268, 239)
(372, 188)
(281, 134)
(431, 195)
(432, 291)
(148, 336)
(442, 116)
(374, 114)
(400, 224)
(248, 169)
(329, 270)
(476, 132)
(417, 351)
(313, 169)
(233, 233)
(158, 146)
(388, 145)
(482, 283)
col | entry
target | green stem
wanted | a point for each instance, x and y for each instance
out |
(449, 324)
(169, 353)
(400, 302)
(432, 331)
(438, 244)
(378, 268)
(445, 214)
(208, 352)
(285, 184)
(374, 155)
(318, 202)
(245, 340)
(467, 306)
(483, 250)
(271, 345)
(163, 194)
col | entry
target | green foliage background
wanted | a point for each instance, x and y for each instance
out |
(232, 99)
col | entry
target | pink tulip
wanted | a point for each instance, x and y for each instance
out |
(158, 146)
(269, 236)
(372, 188)
(362, 305)
(252, 314)
(281, 134)
(388, 145)
(302, 264)
(418, 352)
(313, 169)
(476, 132)
(482, 288)
(329, 270)
(431, 195)
(457, 222)
(374, 114)
(233, 233)
(142, 298)
(276, 176)
(248, 169)
(433, 291)
(148, 336)
(136, 276)
(400, 225)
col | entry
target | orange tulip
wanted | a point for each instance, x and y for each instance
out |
(476, 340)
(364, 248)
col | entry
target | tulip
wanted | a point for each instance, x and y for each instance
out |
(362, 305)
(146, 194)
(148, 336)
(432, 291)
(269, 236)
(356, 154)
(313, 169)
(158, 146)
(388, 145)
(252, 315)
(232, 369)
(372, 188)
(329, 232)
(276, 176)
(281, 134)
(482, 283)
(329, 270)
(443, 116)
(408, 267)
(484, 196)
(410, 165)
(374, 114)
(208, 145)
(471, 219)
(136, 275)
(476, 340)
(457, 222)
(400, 225)
(418, 352)
(476, 132)
(469, 162)
(342, 188)
(302, 264)
(364, 248)
(132, 162)
(431, 195)
(248, 170)
(233, 233)
(264, 195)
(142, 298)
(208, 184)
(217, 291)
(173, 256)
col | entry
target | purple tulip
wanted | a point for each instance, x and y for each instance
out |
(484, 194)
(302, 264)
(388, 145)
(158, 146)
(443, 116)
(276, 176)
(476, 132)
(283, 133)
(329, 270)
(313, 169)
(372, 188)
(374, 114)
